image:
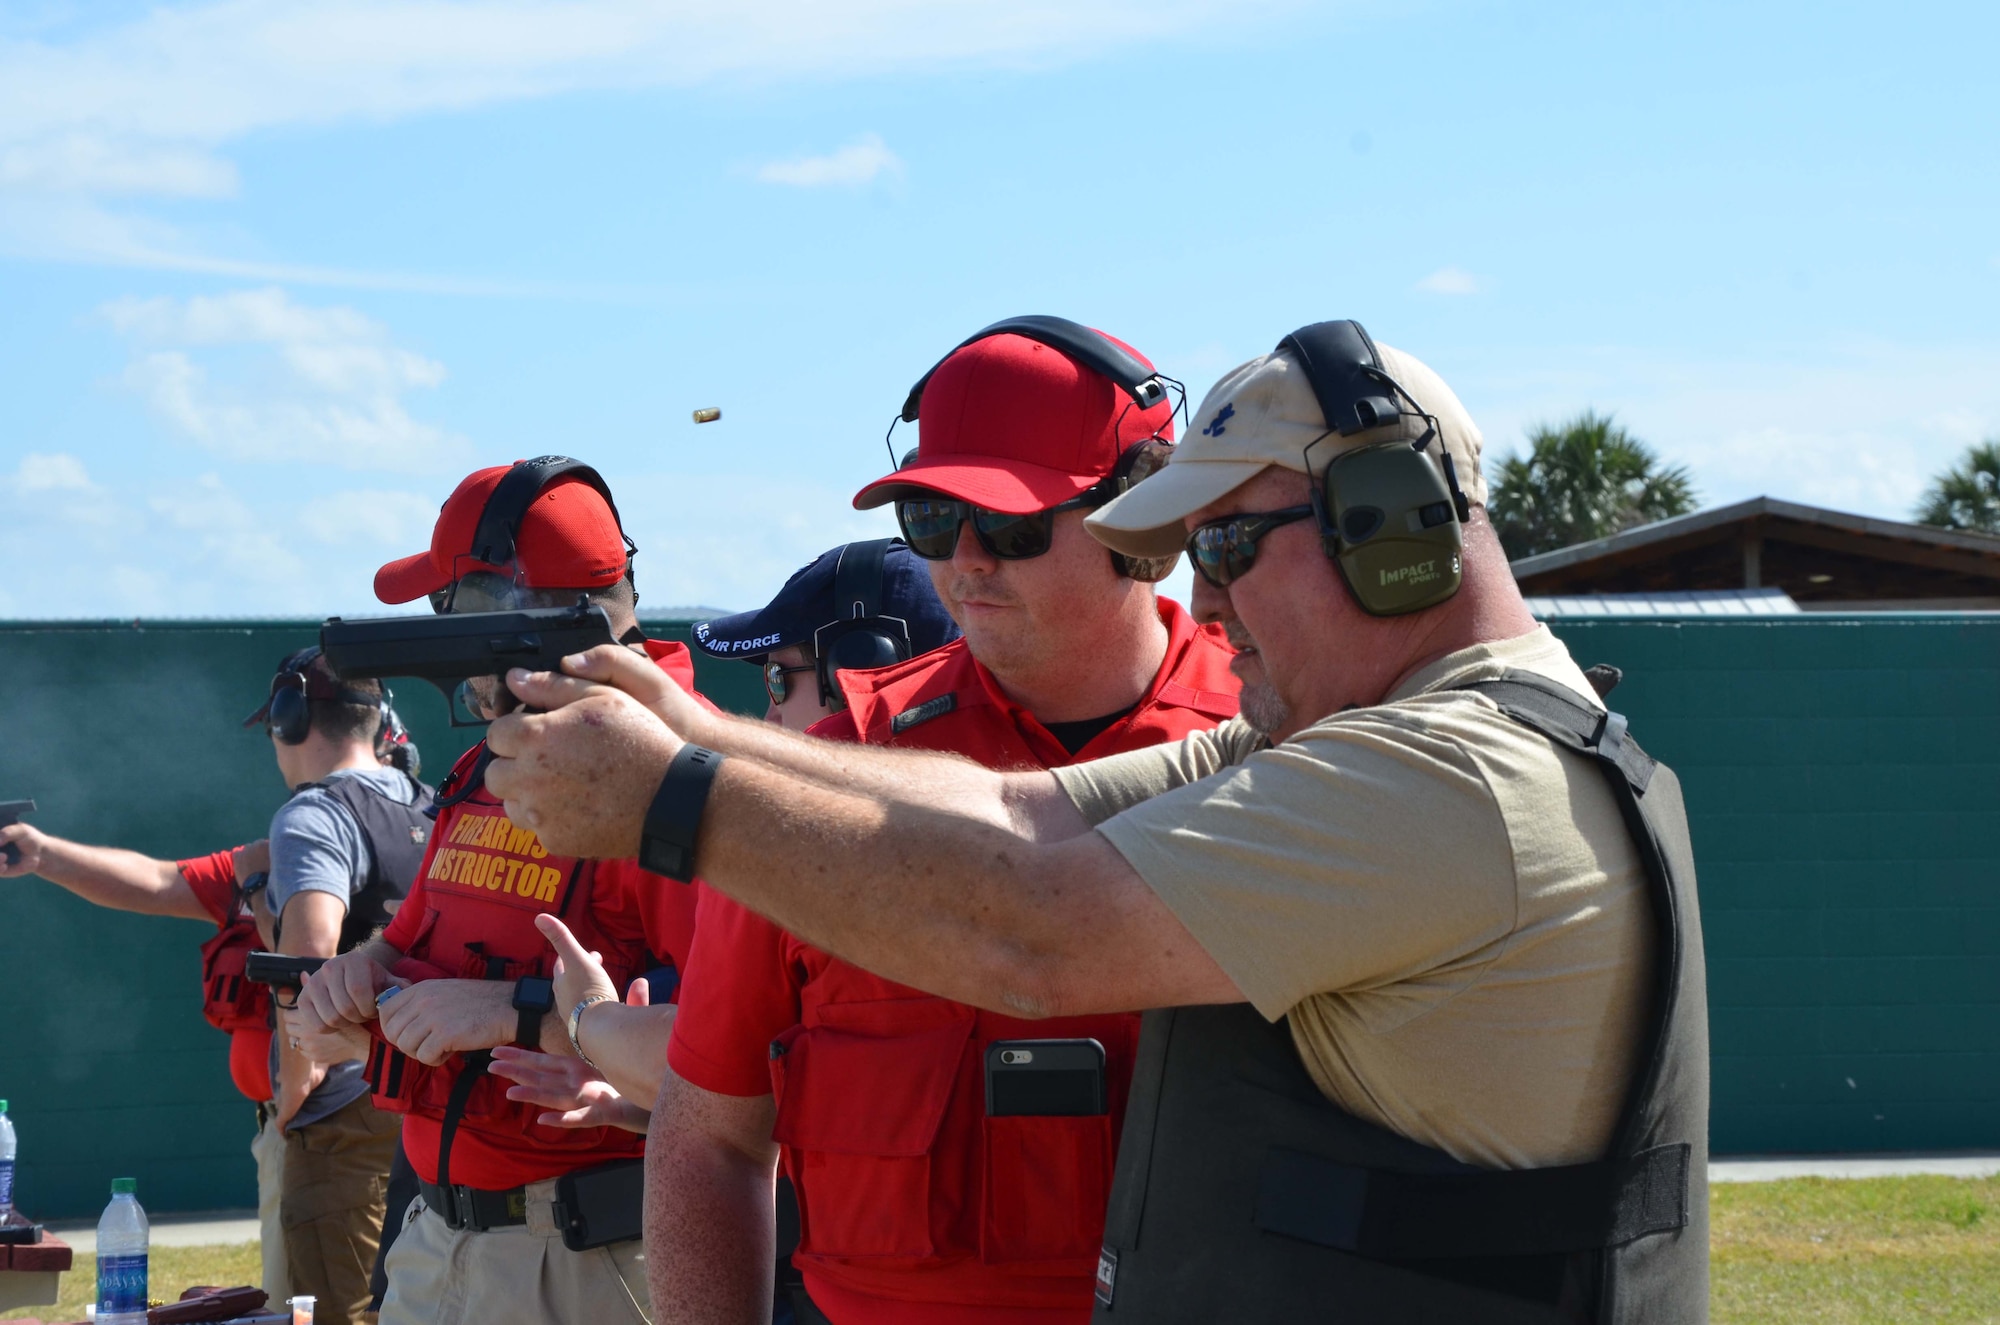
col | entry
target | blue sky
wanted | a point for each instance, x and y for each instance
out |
(273, 276)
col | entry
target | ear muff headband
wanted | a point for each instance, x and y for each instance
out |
(1092, 349)
(1389, 518)
(507, 506)
(861, 637)
(290, 713)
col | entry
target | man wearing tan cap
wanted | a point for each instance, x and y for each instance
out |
(1418, 932)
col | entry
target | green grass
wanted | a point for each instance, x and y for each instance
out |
(171, 1270)
(1878, 1249)
(1921, 1249)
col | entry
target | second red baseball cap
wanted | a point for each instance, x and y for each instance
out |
(1014, 425)
(569, 539)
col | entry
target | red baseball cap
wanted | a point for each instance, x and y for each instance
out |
(1014, 425)
(569, 539)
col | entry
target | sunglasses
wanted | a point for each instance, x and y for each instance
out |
(930, 526)
(777, 680)
(1225, 550)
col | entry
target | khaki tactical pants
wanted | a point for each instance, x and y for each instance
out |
(336, 1175)
(522, 1274)
(268, 1149)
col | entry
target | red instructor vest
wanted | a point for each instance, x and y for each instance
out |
(483, 881)
(907, 1190)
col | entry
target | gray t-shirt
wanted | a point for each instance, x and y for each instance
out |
(316, 846)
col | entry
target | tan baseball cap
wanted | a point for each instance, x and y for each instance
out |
(1263, 414)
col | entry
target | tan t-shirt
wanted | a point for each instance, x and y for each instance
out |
(1448, 909)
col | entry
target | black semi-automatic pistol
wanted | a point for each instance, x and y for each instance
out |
(450, 650)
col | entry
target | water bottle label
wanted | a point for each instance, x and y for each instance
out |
(121, 1284)
(6, 1183)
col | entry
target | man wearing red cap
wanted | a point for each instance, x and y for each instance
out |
(924, 1196)
(462, 969)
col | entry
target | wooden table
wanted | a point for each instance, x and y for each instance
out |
(31, 1272)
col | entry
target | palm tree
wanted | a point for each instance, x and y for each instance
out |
(1966, 496)
(1580, 480)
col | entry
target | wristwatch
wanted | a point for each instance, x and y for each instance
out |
(534, 998)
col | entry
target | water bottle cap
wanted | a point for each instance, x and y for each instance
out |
(3, 1106)
(124, 1186)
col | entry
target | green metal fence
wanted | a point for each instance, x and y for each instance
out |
(1843, 787)
(128, 733)
(1842, 773)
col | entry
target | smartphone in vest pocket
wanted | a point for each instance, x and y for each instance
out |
(1045, 1078)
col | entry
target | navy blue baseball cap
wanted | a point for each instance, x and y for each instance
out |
(805, 606)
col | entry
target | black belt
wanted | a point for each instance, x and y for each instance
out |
(476, 1208)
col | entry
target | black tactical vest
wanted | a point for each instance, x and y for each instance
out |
(396, 835)
(1243, 1196)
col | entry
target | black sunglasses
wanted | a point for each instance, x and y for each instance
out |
(930, 527)
(777, 679)
(1224, 550)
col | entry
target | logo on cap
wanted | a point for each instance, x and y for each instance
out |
(1222, 416)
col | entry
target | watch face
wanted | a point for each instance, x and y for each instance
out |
(534, 993)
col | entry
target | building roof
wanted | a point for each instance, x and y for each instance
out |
(1823, 559)
(1695, 602)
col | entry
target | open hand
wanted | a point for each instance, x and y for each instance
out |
(568, 1088)
(582, 773)
(579, 974)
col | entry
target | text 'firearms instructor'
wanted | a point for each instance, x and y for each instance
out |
(1426, 849)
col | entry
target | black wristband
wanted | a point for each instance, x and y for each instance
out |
(534, 998)
(673, 821)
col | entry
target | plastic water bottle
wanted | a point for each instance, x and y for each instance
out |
(122, 1234)
(6, 1165)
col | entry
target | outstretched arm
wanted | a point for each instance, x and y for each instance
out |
(985, 888)
(103, 876)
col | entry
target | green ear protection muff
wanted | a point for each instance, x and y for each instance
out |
(1390, 517)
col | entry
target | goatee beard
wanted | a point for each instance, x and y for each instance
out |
(1262, 708)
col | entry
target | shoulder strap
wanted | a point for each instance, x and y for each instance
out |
(1538, 703)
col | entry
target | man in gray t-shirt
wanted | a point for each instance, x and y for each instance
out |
(317, 846)
(343, 849)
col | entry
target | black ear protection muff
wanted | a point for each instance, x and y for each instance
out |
(1389, 517)
(493, 538)
(1145, 386)
(861, 636)
(289, 712)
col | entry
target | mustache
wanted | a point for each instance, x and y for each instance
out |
(980, 587)
(1239, 638)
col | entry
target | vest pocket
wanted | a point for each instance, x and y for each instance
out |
(860, 1096)
(1046, 1182)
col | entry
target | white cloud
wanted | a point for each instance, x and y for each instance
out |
(145, 106)
(327, 388)
(1816, 426)
(84, 163)
(1450, 280)
(398, 522)
(57, 472)
(865, 159)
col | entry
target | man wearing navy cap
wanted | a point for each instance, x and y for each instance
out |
(784, 637)
(917, 1205)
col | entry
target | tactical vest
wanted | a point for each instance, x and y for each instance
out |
(1242, 1195)
(396, 835)
(485, 881)
(907, 1189)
